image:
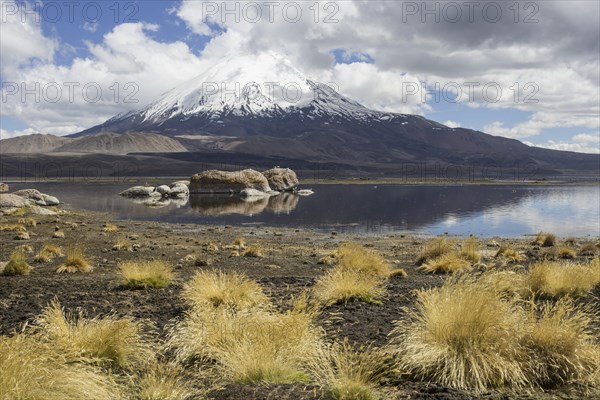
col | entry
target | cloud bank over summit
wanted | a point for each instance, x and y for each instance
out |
(375, 52)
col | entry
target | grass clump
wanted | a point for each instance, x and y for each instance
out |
(253, 251)
(12, 228)
(447, 263)
(557, 279)
(561, 346)
(163, 381)
(462, 335)
(360, 274)
(110, 228)
(350, 373)
(588, 249)
(145, 274)
(255, 345)
(510, 253)
(120, 342)
(470, 249)
(17, 265)
(435, 248)
(566, 252)
(123, 244)
(35, 370)
(545, 239)
(58, 234)
(27, 222)
(75, 261)
(48, 253)
(240, 242)
(17, 212)
(212, 289)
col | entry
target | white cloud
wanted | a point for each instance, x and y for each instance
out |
(587, 138)
(581, 143)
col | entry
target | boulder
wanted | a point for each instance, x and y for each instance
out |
(253, 194)
(31, 194)
(10, 200)
(179, 191)
(3, 187)
(215, 181)
(164, 190)
(281, 179)
(140, 191)
(176, 183)
(50, 200)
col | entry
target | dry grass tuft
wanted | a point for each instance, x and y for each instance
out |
(163, 381)
(562, 349)
(34, 370)
(17, 265)
(588, 249)
(571, 241)
(58, 234)
(360, 274)
(22, 235)
(123, 244)
(340, 286)
(212, 289)
(145, 274)
(17, 212)
(470, 249)
(48, 253)
(545, 239)
(435, 248)
(110, 228)
(511, 254)
(75, 261)
(350, 373)
(12, 227)
(462, 335)
(557, 279)
(118, 342)
(249, 345)
(27, 222)
(566, 252)
(240, 242)
(447, 263)
(253, 251)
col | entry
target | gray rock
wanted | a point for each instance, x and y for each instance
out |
(179, 191)
(164, 190)
(176, 183)
(9, 200)
(281, 179)
(251, 194)
(215, 181)
(50, 200)
(140, 191)
(3, 188)
(30, 194)
(304, 192)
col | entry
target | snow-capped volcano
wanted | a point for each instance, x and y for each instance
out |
(262, 106)
(263, 86)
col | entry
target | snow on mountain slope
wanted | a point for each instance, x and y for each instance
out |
(264, 86)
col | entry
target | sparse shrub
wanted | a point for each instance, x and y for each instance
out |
(350, 373)
(117, 341)
(436, 247)
(557, 279)
(253, 251)
(212, 289)
(561, 346)
(110, 228)
(48, 253)
(145, 274)
(17, 265)
(75, 261)
(566, 252)
(510, 253)
(35, 370)
(249, 345)
(588, 249)
(462, 335)
(27, 222)
(447, 263)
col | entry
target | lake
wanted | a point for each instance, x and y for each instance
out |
(483, 210)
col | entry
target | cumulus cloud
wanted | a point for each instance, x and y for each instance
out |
(581, 143)
(452, 124)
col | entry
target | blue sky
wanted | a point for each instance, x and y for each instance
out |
(371, 51)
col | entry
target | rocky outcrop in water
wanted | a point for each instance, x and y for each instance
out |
(214, 181)
(177, 190)
(281, 179)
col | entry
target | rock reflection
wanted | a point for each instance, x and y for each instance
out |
(160, 202)
(218, 204)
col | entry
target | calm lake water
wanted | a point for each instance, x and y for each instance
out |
(484, 210)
